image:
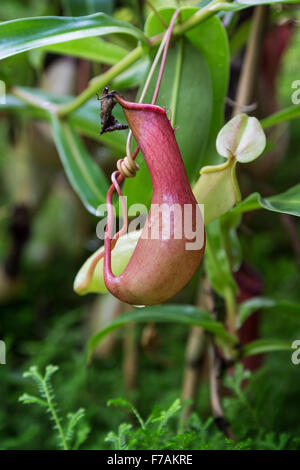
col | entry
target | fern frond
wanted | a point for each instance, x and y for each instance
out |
(47, 399)
(30, 399)
(121, 402)
(74, 419)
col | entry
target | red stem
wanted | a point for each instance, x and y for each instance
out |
(164, 57)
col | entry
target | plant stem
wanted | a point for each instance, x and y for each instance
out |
(99, 82)
(164, 57)
(215, 392)
(195, 353)
(176, 82)
(157, 14)
(247, 81)
(209, 10)
(34, 100)
(146, 86)
(231, 310)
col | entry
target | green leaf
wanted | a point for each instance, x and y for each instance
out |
(284, 203)
(133, 76)
(86, 118)
(231, 241)
(216, 261)
(79, 7)
(265, 2)
(185, 314)
(27, 399)
(85, 176)
(14, 104)
(262, 346)
(286, 114)
(95, 49)
(166, 415)
(122, 403)
(22, 35)
(242, 4)
(272, 305)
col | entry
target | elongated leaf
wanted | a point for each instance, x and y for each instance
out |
(286, 114)
(14, 104)
(185, 314)
(29, 33)
(284, 203)
(95, 49)
(262, 346)
(265, 2)
(86, 119)
(83, 173)
(273, 306)
(79, 7)
(242, 4)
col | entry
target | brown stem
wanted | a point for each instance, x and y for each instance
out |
(130, 358)
(248, 78)
(157, 14)
(194, 354)
(215, 392)
(194, 357)
(216, 366)
(105, 309)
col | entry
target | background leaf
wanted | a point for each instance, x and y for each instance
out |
(84, 175)
(186, 314)
(265, 2)
(262, 346)
(86, 118)
(79, 7)
(29, 33)
(285, 114)
(280, 307)
(95, 49)
(284, 203)
(242, 4)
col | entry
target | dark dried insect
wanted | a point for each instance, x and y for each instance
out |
(108, 122)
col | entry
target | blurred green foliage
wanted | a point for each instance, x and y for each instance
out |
(44, 322)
